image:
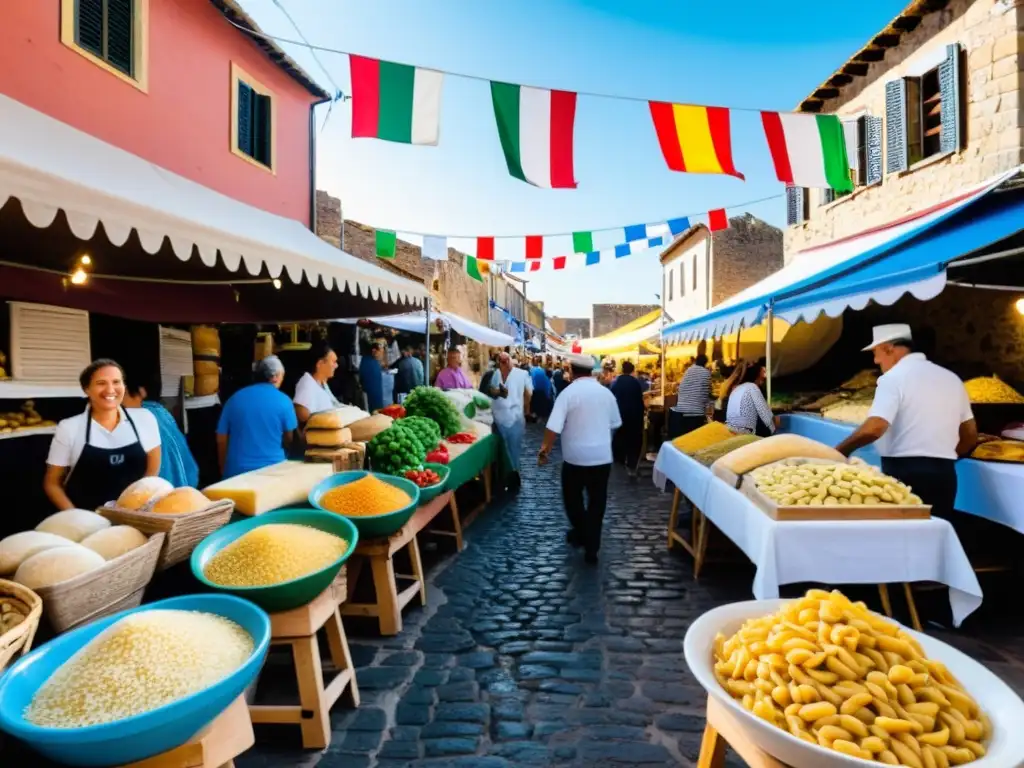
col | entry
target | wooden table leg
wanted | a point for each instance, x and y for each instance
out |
(883, 592)
(456, 523)
(673, 517)
(701, 547)
(417, 568)
(487, 484)
(316, 728)
(341, 656)
(915, 620)
(712, 749)
(389, 615)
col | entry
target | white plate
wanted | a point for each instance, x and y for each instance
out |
(996, 699)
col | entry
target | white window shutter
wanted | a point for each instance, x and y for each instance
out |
(175, 359)
(49, 345)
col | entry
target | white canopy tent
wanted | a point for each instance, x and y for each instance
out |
(416, 322)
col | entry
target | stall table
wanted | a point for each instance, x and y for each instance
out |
(476, 461)
(826, 552)
(216, 746)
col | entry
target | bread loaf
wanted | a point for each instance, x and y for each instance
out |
(368, 428)
(19, 547)
(142, 492)
(336, 418)
(328, 438)
(52, 566)
(73, 524)
(180, 501)
(114, 541)
(773, 449)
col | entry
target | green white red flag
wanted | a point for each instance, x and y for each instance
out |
(395, 102)
(536, 127)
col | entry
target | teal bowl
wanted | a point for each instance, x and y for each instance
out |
(376, 525)
(287, 594)
(431, 492)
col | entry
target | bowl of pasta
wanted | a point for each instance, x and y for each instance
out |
(823, 682)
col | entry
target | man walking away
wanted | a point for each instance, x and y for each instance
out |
(540, 403)
(585, 415)
(514, 390)
(629, 438)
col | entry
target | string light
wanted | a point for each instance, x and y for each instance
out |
(277, 283)
(85, 261)
(79, 277)
(1020, 306)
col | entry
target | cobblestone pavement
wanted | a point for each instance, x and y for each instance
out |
(527, 656)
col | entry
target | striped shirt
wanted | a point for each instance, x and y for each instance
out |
(746, 406)
(694, 391)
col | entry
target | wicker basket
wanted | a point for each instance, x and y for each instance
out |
(19, 639)
(114, 586)
(183, 532)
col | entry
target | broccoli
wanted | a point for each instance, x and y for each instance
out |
(432, 404)
(426, 430)
(396, 450)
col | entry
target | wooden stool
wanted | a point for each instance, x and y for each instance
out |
(697, 544)
(723, 730)
(216, 746)
(298, 629)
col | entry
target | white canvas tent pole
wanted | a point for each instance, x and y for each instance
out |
(768, 350)
(426, 361)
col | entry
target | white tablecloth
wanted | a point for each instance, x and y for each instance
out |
(827, 552)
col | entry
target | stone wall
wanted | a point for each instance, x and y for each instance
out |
(991, 33)
(577, 326)
(451, 287)
(608, 317)
(748, 251)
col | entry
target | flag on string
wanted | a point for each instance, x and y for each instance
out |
(808, 150)
(485, 248)
(678, 226)
(694, 139)
(536, 129)
(644, 231)
(717, 220)
(386, 243)
(582, 242)
(534, 246)
(435, 248)
(395, 102)
(475, 268)
(559, 262)
(594, 257)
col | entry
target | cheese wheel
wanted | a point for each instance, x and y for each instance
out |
(279, 485)
(772, 449)
(180, 501)
(368, 428)
(328, 438)
(336, 418)
(206, 384)
(142, 492)
(52, 566)
(19, 547)
(114, 541)
(73, 524)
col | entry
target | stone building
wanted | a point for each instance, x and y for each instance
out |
(701, 269)
(607, 317)
(571, 326)
(452, 289)
(931, 106)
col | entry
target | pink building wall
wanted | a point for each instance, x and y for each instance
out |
(183, 122)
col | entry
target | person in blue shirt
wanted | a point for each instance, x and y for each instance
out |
(257, 422)
(542, 399)
(410, 373)
(371, 375)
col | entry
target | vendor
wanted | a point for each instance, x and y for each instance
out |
(921, 419)
(312, 393)
(100, 452)
(452, 377)
(747, 411)
(692, 400)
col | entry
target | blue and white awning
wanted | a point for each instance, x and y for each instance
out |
(908, 255)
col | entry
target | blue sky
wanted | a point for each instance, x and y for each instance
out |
(743, 53)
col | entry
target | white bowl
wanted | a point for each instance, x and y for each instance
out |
(996, 699)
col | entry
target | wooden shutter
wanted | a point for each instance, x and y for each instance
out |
(896, 126)
(261, 128)
(89, 25)
(873, 149)
(245, 126)
(120, 31)
(951, 89)
(49, 345)
(794, 205)
(175, 359)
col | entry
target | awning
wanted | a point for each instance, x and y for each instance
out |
(882, 264)
(416, 322)
(627, 337)
(50, 166)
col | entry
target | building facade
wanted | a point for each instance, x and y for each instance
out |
(931, 106)
(571, 327)
(175, 82)
(606, 318)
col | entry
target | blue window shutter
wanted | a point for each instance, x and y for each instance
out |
(261, 128)
(89, 25)
(896, 158)
(794, 205)
(245, 127)
(120, 34)
(951, 90)
(873, 149)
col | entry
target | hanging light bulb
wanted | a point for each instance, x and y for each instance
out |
(277, 283)
(86, 260)
(79, 277)
(1020, 306)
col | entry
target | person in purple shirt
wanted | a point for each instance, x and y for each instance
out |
(452, 377)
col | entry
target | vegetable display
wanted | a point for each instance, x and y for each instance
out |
(394, 411)
(423, 477)
(396, 450)
(462, 438)
(432, 404)
(439, 455)
(425, 429)
(805, 484)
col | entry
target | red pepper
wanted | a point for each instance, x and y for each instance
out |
(438, 456)
(394, 411)
(462, 438)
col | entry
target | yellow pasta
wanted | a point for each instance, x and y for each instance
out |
(832, 673)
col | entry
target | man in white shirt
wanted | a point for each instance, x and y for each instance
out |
(514, 388)
(921, 419)
(585, 415)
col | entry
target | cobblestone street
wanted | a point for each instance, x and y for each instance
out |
(527, 656)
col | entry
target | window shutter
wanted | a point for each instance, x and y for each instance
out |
(951, 89)
(695, 272)
(827, 196)
(119, 34)
(49, 345)
(794, 205)
(671, 284)
(245, 127)
(873, 149)
(175, 360)
(89, 25)
(261, 128)
(896, 126)
(682, 277)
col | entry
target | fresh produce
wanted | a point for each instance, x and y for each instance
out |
(423, 477)
(279, 485)
(833, 673)
(394, 411)
(795, 482)
(366, 497)
(775, 448)
(395, 450)
(461, 438)
(425, 429)
(992, 389)
(711, 454)
(141, 662)
(1000, 450)
(711, 433)
(439, 455)
(273, 554)
(431, 403)
(12, 613)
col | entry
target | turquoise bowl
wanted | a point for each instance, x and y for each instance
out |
(287, 594)
(139, 736)
(431, 492)
(376, 525)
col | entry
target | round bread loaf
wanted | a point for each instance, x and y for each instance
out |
(142, 492)
(52, 566)
(73, 524)
(180, 501)
(19, 547)
(114, 541)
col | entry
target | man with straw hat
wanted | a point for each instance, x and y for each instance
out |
(921, 419)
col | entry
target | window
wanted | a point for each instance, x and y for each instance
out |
(796, 205)
(671, 284)
(924, 113)
(682, 279)
(695, 272)
(863, 137)
(253, 119)
(110, 33)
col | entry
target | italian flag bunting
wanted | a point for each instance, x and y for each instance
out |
(582, 242)
(808, 150)
(536, 128)
(386, 243)
(475, 268)
(395, 102)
